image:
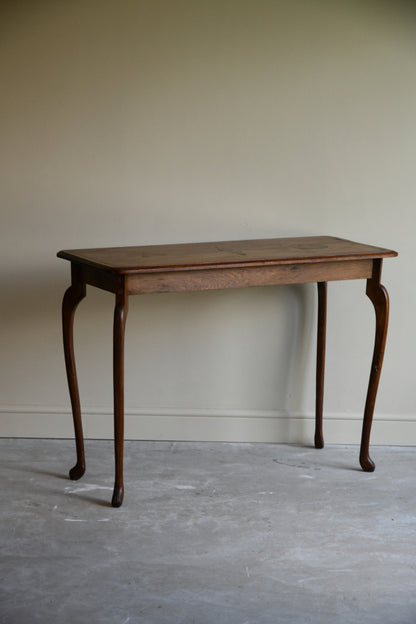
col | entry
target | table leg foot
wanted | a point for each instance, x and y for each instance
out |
(367, 464)
(77, 471)
(118, 495)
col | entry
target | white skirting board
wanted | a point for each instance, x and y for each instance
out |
(205, 425)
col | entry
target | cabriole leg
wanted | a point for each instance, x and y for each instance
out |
(320, 364)
(380, 299)
(75, 293)
(120, 315)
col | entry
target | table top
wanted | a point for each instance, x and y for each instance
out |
(224, 254)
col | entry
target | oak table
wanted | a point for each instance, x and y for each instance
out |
(128, 271)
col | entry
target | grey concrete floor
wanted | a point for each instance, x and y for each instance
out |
(208, 534)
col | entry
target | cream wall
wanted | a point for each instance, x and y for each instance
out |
(143, 122)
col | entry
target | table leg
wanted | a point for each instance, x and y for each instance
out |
(120, 315)
(75, 293)
(320, 364)
(380, 299)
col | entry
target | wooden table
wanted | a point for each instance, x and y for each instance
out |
(128, 271)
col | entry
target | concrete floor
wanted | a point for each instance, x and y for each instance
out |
(208, 534)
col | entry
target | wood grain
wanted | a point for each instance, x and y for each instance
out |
(224, 254)
(243, 277)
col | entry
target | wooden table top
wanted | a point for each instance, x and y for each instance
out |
(224, 254)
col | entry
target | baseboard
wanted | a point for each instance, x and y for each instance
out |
(205, 425)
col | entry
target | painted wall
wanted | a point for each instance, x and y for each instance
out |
(138, 122)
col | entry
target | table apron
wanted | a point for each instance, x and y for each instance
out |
(212, 279)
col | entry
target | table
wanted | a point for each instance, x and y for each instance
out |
(128, 271)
